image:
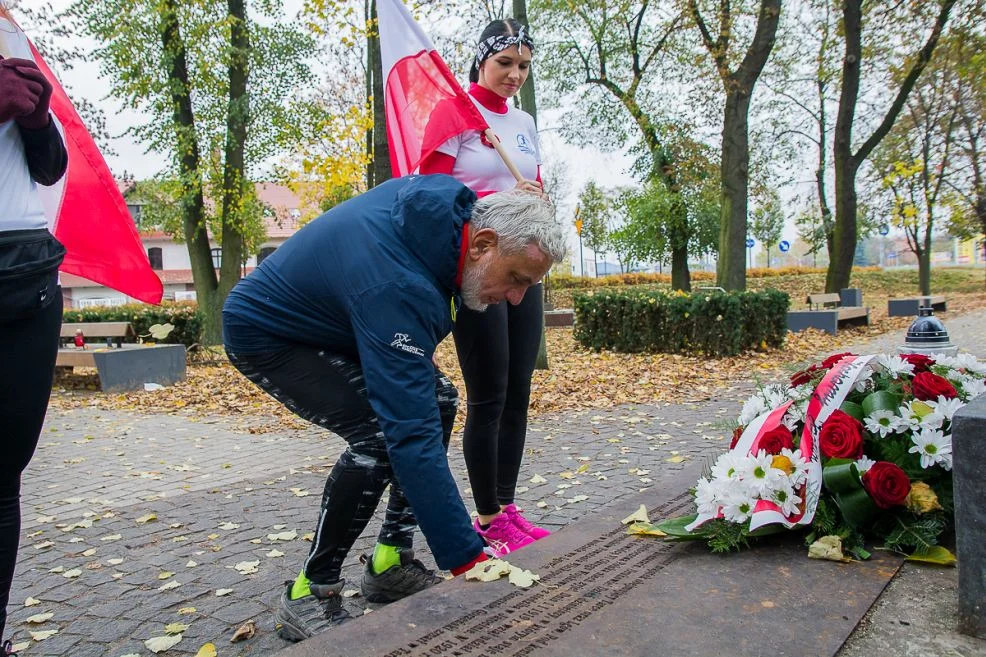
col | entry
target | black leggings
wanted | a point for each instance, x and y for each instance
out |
(27, 366)
(328, 389)
(497, 351)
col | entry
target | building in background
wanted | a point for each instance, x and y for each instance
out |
(169, 258)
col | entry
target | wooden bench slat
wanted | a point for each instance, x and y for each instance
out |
(99, 329)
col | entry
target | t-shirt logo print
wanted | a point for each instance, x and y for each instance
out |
(524, 145)
(402, 341)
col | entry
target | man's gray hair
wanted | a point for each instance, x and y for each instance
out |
(520, 218)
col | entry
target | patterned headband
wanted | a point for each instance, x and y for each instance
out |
(495, 44)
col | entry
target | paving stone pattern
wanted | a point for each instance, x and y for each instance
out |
(221, 489)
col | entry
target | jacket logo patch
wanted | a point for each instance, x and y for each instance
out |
(402, 341)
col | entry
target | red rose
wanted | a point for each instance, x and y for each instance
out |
(830, 362)
(886, 484)
(920, 362)
(804, 376)
(841, 437)
(931, 386)
(737, 432)
(777, 439)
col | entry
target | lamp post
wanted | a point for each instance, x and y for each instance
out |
(927, 335)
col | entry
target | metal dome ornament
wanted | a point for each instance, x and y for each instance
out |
(927, 335)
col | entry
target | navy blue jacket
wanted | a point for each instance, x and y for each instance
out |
(374, 278)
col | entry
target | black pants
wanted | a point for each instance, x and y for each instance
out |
(328, 390)
(27, 364)
(497, 351)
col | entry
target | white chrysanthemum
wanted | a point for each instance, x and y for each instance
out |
(802, 392)
(706, 497)
(973, 388)
(893, 366)
(911, 414)
(738, 508)
(864, 464)
(933, 447)
(753, 408)
(863, 384)
(774, 395)
(787, 500)
(882, 423)
(933, 420)
(792, 418)
(727, 466)
(800, 474)
(966, 362)
(946, 407)
(757, 473)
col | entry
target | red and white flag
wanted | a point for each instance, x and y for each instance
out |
(86, 211)
(425, 105)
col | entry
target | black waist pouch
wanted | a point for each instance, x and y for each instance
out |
(29, 262)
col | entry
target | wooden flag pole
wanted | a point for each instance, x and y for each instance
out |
(503, 153)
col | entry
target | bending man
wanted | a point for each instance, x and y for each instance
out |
(340, 325)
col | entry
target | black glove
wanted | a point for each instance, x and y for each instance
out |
(25, 93)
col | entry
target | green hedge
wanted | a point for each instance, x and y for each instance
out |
(713, 324)
(184, 316)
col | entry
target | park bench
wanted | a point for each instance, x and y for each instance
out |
(125, 366)
(115, 331)
(559, 318)
(828, 313)
(908, 306)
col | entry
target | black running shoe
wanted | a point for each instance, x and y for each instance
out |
(297, 620)
(396, 582)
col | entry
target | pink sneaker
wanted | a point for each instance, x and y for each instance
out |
(523, 524)
(503, 535)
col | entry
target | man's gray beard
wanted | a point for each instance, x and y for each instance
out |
(472, 283)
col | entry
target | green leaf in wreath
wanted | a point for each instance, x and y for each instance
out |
(881, 400)
(852, 409)
(675, 528)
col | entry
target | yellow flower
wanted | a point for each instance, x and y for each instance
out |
(922, 499)
(782, 463)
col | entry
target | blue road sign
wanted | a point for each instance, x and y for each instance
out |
(784, 246)
(884, 229)
(749, 242)
(891, 255)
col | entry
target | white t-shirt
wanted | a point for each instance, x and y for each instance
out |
(20, 205)
(479, 167)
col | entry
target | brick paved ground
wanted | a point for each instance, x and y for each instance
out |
(220, 489)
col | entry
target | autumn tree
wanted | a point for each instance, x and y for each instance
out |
(917, 17)
(610, 60)
(738, 71)
(767, 220)
(595, 211)
(214, 83)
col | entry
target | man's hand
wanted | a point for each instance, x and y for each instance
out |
(25, 93)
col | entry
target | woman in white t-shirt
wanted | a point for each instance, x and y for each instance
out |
(497, 348)
(31, 152)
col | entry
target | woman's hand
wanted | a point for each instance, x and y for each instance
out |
(531, 187)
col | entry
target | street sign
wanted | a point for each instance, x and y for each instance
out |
(784, 246)
(884, 229)
(891, 255)
(750, 242)
(578, 221)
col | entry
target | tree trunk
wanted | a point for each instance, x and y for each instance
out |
(924, 271)
(680, 277)
(369, 99)
(234, 181)
(381, 152)
(528, 98)
(192, 203)
(846, 162)
(731, 268)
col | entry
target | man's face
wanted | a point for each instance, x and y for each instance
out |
(489, 276)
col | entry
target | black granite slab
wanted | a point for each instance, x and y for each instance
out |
(603, 592)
